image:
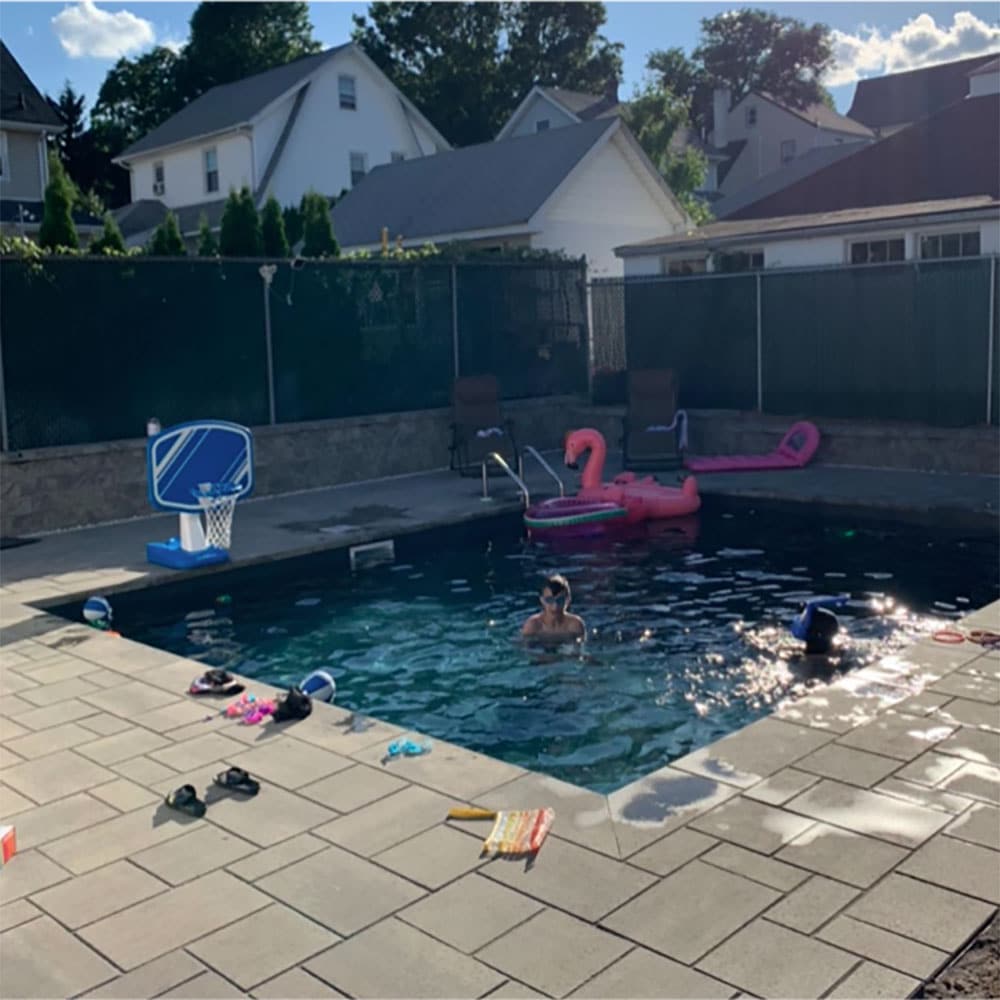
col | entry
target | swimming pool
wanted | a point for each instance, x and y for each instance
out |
(687, 628)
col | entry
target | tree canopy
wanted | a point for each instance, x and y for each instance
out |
(468, 65)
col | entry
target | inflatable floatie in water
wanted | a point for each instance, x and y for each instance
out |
(320, 686)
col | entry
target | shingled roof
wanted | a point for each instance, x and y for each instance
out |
(903, 98)
(586, 107)
(20, 100)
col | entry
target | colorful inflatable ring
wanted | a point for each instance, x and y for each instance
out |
(949, 636)
(569, 520)
(984, 637)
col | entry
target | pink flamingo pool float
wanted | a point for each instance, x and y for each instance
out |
(600, 507)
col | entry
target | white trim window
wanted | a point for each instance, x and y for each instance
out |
(737, 261)
(159, 179)
(751, 117)
(397, 156)
(347, 92)
(787, 150)
(681, 267)
(957, 244)
(4, 159)
(881, 251)
(542, 125)
(211, 160)
(359, 167)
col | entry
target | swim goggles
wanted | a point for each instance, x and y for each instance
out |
(407, 748)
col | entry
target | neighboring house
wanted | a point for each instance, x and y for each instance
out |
(582, 189)
(320, 122)
(26, 122)
(759, 136)
(553, 107)
(958, 227)
(888, 103)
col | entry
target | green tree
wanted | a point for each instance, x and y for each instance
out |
(272, 226)
(468, 65)
(239, 233)
(57, 229)
(292, 216)
(317, 227)
(167, 240)
(207, 244)
(110, 239)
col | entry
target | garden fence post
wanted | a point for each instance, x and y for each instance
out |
(454, 318)
(760, 352)
(266, 271)
(991, 336)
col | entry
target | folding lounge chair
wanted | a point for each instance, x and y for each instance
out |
(478, 426)
(655, 436)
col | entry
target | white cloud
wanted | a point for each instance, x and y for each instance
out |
(85, 30)
(920, 42)
(174, 44)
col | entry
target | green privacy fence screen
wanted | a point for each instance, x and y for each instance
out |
(92, 348)
(913, 341)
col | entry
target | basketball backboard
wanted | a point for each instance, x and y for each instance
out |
(183, 458)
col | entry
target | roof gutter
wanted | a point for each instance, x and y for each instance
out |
(15, 126)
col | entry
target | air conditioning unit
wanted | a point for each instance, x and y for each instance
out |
(159, 187)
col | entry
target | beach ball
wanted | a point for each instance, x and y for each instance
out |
(320, 686)
(97, 611)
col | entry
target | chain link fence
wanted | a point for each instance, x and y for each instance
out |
(90, 348)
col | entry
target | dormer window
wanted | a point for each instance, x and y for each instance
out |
(542, 125)
(159, 179)
(751, 117)
(348, 94)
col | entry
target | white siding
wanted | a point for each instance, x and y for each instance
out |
(984, 84)
(604, 204)
(821, 251)
(267, 131)
(539, 109)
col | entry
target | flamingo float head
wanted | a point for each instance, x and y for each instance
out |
(578, 442)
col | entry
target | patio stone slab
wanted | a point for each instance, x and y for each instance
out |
(173, 919)
(12, 803)
(981, 746)
(929, 768)
(572, 878)
(10, 730)
(123, 795)
(752, 865)
(271, 859)
(174, 715)
(874, 982)
(48, 741)
(105, 678)
(882, 946)
(978, 781)
(352, 788)
(979, 825)
(470, 913)
(644, 974)
(388, 821)
(8, 758)
(901, 736)
(262, 945)
(58, 819)
(207, 986)
(716, 903)
(98, 894)
(921, 704)
(838, 708)
(751, 824)
(144, 771)
(26, 873)
(42, 959)
(772, 961)
(432, 858)
(50, 694)
(339, 890)
(289, 763)
(18, 912)
(978, 714)
(855, 767)
(673, 851)
(152, 979)
(812, 904)
(554, 952)
(55, 715)
(130, 699)
(117, 838)
(196, 753)
(194, 854)
(921, 795)
(55, 776)
(752, 753)
(954, 864)
(513, 989)
(781, 786)
(660, 803)
(869, 813)
(58, 669)
(104, 724)
(938, 917)
(842, 855)
(342, 732)
(962, 685)
(122, 746)
(296, 984)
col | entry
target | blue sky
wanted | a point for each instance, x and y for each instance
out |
(80, 41)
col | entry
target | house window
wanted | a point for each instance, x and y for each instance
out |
(679, 267)
(751, 117)
(159, 181)
(211, 170)
(950, 245)
(739, 260)
(788, 151)
(396, 156)
(4, 166)
(542, 125)
(878, 251)
(348, 94)
(358, 167)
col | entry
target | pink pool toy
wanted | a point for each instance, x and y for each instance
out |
(796, 449)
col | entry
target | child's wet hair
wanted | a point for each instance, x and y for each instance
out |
(558, 585)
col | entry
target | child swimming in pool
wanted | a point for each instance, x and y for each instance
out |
(554, 623)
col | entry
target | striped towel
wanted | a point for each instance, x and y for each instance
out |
(515, 831)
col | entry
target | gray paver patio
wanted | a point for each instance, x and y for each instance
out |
(644, 974)
(883, 946)
(873, 981)
(812, 904)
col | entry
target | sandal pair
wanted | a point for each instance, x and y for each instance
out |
(185, 799)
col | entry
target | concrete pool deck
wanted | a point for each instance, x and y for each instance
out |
(846, 846)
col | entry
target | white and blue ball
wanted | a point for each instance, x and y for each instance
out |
(320, 686)
(97, 611)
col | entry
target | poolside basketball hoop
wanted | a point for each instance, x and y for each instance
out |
(218, 503)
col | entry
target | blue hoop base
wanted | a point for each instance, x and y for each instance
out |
(171, 555)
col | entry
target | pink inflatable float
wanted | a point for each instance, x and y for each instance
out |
(796, 449)
(600, 507)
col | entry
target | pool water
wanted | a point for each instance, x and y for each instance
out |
(687, 629)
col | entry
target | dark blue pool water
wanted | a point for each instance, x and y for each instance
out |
(687, 629)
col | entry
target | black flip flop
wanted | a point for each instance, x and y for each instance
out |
(237, 780)
(185, 799)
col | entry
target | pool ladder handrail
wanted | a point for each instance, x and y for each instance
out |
(502, 462)
(535, 453)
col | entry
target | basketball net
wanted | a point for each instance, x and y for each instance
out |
(218, 503)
